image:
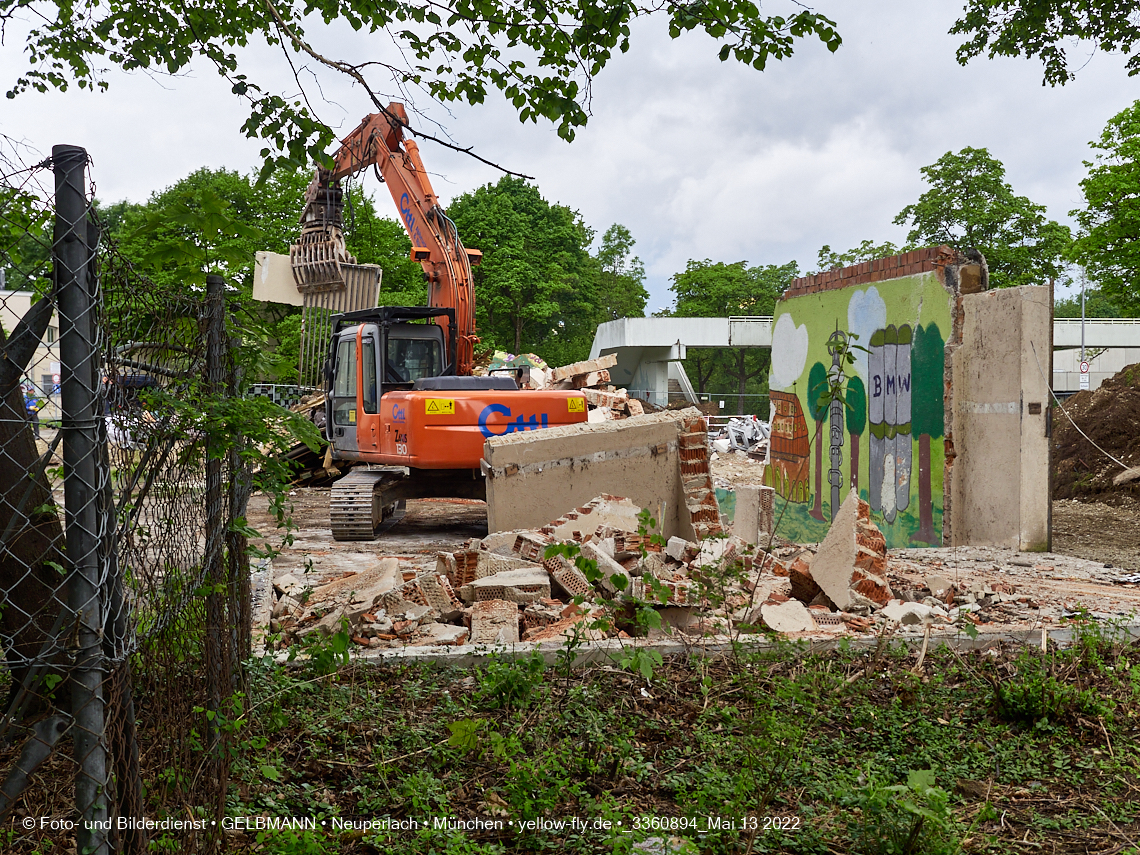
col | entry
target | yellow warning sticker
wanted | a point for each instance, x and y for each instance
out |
(576, 405)
(440, 407)
(352, 417)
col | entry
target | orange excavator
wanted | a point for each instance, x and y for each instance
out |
(399, 394)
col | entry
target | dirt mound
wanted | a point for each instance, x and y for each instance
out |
(1110, 416)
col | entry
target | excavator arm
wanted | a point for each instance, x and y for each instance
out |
(379, 141)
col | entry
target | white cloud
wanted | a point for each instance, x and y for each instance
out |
(700, 159)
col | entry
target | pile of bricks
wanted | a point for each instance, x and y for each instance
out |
(700, 499)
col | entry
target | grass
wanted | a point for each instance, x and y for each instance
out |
(786, 752)
(774, 751)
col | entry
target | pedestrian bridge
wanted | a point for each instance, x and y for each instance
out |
(649, 350)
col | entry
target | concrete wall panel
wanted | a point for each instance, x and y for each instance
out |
(1000, 476)
(537, 476)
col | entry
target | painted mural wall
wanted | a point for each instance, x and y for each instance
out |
(885, 436)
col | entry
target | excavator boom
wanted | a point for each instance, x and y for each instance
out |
(379, 141)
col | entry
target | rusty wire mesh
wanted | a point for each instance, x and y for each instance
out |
(125, 585)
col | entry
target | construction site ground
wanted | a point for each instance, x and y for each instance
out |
(1095, 547)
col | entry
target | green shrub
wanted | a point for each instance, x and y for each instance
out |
(904, 819)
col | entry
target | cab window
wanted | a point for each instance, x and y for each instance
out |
(344, 383)
(409, 359)
(368, 358)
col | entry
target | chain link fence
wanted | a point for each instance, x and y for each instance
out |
(124, 577)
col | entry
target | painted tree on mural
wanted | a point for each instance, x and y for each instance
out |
(927, 360)
(856, 398)
(817, 404)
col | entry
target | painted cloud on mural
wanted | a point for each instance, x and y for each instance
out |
(865, 313)
(789, 352)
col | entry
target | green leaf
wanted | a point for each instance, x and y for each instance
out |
(465, 734)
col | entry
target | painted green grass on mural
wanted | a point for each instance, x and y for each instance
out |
(798, 526)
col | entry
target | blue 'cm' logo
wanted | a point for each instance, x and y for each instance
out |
(520, 423)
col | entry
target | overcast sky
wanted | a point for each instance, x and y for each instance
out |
(698, 158)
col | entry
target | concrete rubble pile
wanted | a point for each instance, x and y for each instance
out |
(503, 589)
(744, 435)
(500, 589)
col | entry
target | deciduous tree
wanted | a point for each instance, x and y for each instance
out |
(536, 287)
(829, 259)
(542, 58)
(1042, 27)
(708, 289)
(1108, 244)
(621, 276)
(970, 206)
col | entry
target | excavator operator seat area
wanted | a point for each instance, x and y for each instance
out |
(414, 351)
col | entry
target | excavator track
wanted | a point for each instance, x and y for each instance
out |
(357, 508)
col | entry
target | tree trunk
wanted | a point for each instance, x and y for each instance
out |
(817, 510)
(925, 533)
(855, 437)
(30, 587)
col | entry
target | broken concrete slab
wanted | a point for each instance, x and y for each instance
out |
(522, 585)
(599, 416)
(562, 630)
(846, 561)
(907, 613)
(495, 622)
(712, 551)
(787, 617)
(362, 587)
(939, 586)
(287, 605)
(463, 568)
(533, 476)
(445, 634)
(288, 584)
(677, 548)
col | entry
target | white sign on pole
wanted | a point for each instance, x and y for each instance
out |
(1084, 368)
(1084, 376)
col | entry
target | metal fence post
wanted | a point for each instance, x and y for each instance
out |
(218, 677)
(237, 545)
(79, 359)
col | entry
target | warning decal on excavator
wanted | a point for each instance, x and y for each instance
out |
(440, 407)
(576, 405)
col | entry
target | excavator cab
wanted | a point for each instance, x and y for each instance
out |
(374, 351)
